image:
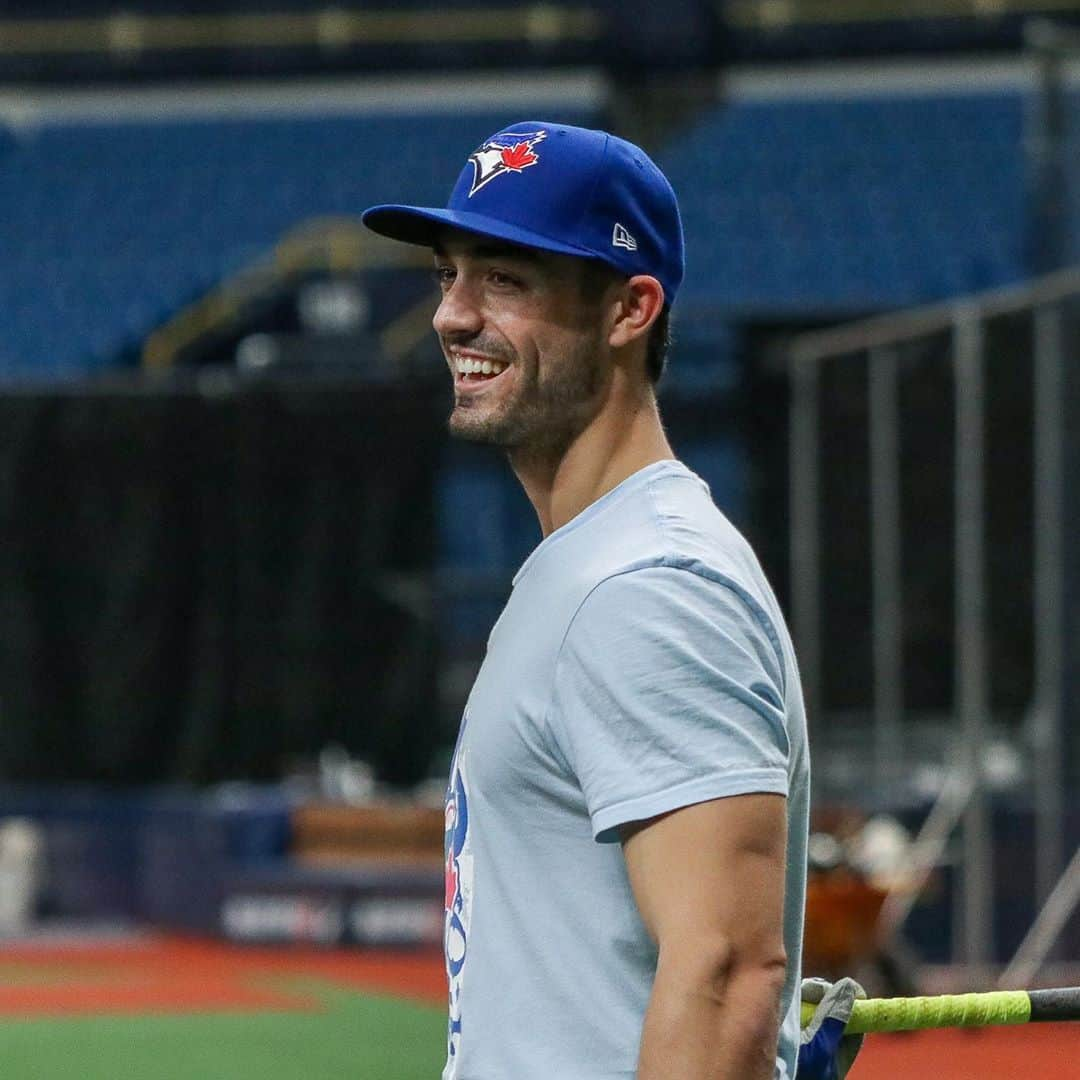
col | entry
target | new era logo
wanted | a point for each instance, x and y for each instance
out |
(620, 237)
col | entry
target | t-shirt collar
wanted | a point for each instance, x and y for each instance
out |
(621, 490)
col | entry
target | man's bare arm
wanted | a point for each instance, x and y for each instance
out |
(709, 883)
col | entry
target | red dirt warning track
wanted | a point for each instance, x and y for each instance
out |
(168, 975)
(1026, 1052)
(158, 975)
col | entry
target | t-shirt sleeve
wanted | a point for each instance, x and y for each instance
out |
(669, 690)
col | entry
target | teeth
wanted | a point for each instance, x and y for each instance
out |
(468, 366)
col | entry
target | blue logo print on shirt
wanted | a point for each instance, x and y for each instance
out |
(458, 902)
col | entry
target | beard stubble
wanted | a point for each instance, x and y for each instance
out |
(549, 409)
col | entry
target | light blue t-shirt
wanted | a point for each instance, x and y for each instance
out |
(641, 664)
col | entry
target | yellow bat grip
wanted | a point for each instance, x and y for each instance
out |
(944, 1010)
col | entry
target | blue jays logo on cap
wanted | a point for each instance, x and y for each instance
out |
(503, 154)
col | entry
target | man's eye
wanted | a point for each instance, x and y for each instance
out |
(500, 277)
(444, 275)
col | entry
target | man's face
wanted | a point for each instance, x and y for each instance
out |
(526, 345)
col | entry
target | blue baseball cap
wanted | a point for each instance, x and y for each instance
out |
(565, 189)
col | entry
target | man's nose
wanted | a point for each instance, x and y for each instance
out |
(458, 313)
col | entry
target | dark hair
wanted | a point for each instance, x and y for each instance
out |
(596, 278)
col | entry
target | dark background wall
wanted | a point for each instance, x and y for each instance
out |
(211, 582)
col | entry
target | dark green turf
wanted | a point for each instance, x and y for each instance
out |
(355, 1037)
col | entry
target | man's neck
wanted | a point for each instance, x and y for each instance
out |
(620, 441)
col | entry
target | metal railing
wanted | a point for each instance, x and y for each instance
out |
(874, 349)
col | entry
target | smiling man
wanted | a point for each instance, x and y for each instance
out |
(627, 808)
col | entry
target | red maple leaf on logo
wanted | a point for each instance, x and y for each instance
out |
(518, 156)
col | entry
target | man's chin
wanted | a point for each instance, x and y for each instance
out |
(475, 429)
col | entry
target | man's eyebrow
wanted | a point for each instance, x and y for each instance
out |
(494, 251)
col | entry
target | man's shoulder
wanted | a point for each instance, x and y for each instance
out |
(674, 589)
(682, 590)
(663, 541)
(665, 516)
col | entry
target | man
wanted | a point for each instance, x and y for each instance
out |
(627, 812)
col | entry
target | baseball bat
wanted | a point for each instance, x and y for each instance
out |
(960, 1010)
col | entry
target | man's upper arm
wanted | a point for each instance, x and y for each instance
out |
(708, 879)
(668, 693)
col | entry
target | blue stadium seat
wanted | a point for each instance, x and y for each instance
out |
(791, 207)
(108, 228)
(809, 207)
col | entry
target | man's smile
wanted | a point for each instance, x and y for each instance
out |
(473, 370)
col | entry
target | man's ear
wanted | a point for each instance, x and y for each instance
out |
(640, 301)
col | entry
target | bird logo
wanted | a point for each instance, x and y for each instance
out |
(502, 154)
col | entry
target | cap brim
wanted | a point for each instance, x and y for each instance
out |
(425, 224)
